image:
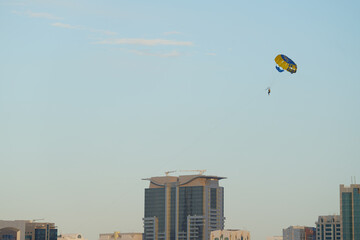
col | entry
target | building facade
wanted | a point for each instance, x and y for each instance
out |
(121, 236)
(299, 233)
(27, 230)
(274, 238)
(71, 236)
(350, 212)
(230, 234)
(310, 233)
(187, 207)
(328, 228)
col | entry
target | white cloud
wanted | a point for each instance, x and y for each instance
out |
(64, 25)
(146, 42)
(36, 14)
(68, 26)
(156, 54)
(211, 54)
(41, 15)
(59, 24)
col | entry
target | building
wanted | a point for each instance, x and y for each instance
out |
(71, 236)
(230, 234)
(121, 236)
(328, 228)
(183, 208)
(275, 238)
(299, 233)
(350, 212)
(27, 230)
(310, 233)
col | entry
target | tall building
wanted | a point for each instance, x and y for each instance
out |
(328, 228)
(27, 230)
(350, 212)
(299, 233)
(187, 207)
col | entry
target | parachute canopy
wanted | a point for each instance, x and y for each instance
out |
(285, 63)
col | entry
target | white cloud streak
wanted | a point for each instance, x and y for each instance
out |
(41, 15)
(69, 26)
(145, 42)
(64, 25)
(61, 25)
(148, 53)
(37, 15)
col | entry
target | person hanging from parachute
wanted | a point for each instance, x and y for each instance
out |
(283, 63)
(268, 90)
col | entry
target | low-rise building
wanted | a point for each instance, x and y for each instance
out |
(230, 234)
(121, 236)
(299, 233)
(27, 230)
(275, 238)
(71, 236)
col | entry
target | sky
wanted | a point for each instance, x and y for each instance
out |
(97, 95)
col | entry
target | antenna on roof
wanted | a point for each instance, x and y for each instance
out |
(200, 171)
(40, 219)
(167, 172)
(353, 179)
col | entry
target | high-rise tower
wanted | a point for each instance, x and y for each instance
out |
(187, 207)
(350, 212)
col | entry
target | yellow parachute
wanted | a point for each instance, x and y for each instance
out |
(285, 63)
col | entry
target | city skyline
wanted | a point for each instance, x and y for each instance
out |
(95, 96)
(316, 232)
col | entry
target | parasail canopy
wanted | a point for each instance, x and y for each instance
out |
(285, 63)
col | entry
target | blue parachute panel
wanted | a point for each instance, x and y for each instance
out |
(279, 69)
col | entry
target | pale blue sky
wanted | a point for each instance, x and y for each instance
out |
(96, 95)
